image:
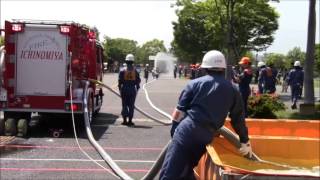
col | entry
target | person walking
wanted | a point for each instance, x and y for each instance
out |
(261, 67)
(175, 70)
(285, 81)
(295, 81)
(146, 72)
(180, 71)
(129, 84)
(267, 79)
(244, 80)
(202, 108)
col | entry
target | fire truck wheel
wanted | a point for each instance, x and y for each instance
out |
(90, 109)
(1, 127)
(10, 127)
(100, 100)
(22, 127)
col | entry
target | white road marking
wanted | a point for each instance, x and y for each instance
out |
(73, 160)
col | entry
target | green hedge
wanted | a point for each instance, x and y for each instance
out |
(264, 106)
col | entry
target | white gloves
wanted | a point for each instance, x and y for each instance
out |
(246, 149)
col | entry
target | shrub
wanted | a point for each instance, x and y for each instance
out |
(264, 106)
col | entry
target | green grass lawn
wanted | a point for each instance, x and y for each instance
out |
(297, 115)
(289, 114)
(316, 82)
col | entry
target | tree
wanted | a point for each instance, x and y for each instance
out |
(150, 48)
(117, 49)
(233, 26)
(191, 34)
(295, 54)
(276, 59)
(308, 66)
(1, 40)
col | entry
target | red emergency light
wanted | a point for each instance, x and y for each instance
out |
(64, 29)
(17, 27)
(74, 107)
(91, 35)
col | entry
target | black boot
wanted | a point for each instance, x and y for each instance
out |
(124, 121)
(294, 106)
(130, 122)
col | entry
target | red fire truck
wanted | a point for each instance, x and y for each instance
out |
(43, 62)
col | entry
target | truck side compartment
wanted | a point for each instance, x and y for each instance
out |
(42, 60)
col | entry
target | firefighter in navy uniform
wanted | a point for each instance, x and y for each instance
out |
(202, 108)
(129, 84)
(146, 72)
(244, 80)
(267, 76)
(295, 81)
(261, 67)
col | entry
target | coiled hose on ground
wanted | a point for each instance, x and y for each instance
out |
(116, 169)
(228, 134)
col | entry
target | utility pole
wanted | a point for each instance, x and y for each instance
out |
(0, 17)
(308, 106)
(230, 52)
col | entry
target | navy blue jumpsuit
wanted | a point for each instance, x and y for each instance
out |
(207, 101)
(261, 79)
(267, 80)
(129, 84)
(295, 80)
(244, 87)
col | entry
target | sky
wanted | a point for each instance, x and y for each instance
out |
(144, 20)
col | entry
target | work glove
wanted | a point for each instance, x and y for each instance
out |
(246, 149)
(173, 127)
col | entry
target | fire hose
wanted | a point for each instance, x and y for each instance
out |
(115, 168)
(156, 167)
(136, 107)
(228, 134)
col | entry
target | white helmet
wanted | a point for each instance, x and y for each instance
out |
(130, 57)
(214, 59)
(261, 63)
(297, 63)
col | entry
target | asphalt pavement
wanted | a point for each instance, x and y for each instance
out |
(40, 156)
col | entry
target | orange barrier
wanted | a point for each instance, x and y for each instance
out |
(292, 143)
(281, 127)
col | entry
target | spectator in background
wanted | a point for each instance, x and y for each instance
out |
(274, 80)
(146, 72)
(175, 70)
(180, 71)
(261, 67)
(193, 71)
(284, 80)
(185, 71)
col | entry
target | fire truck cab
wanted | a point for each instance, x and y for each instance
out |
(45, 64)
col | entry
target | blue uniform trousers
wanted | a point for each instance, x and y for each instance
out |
(188, 145)
(295, 93)
(245, 93)
(128, 99)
